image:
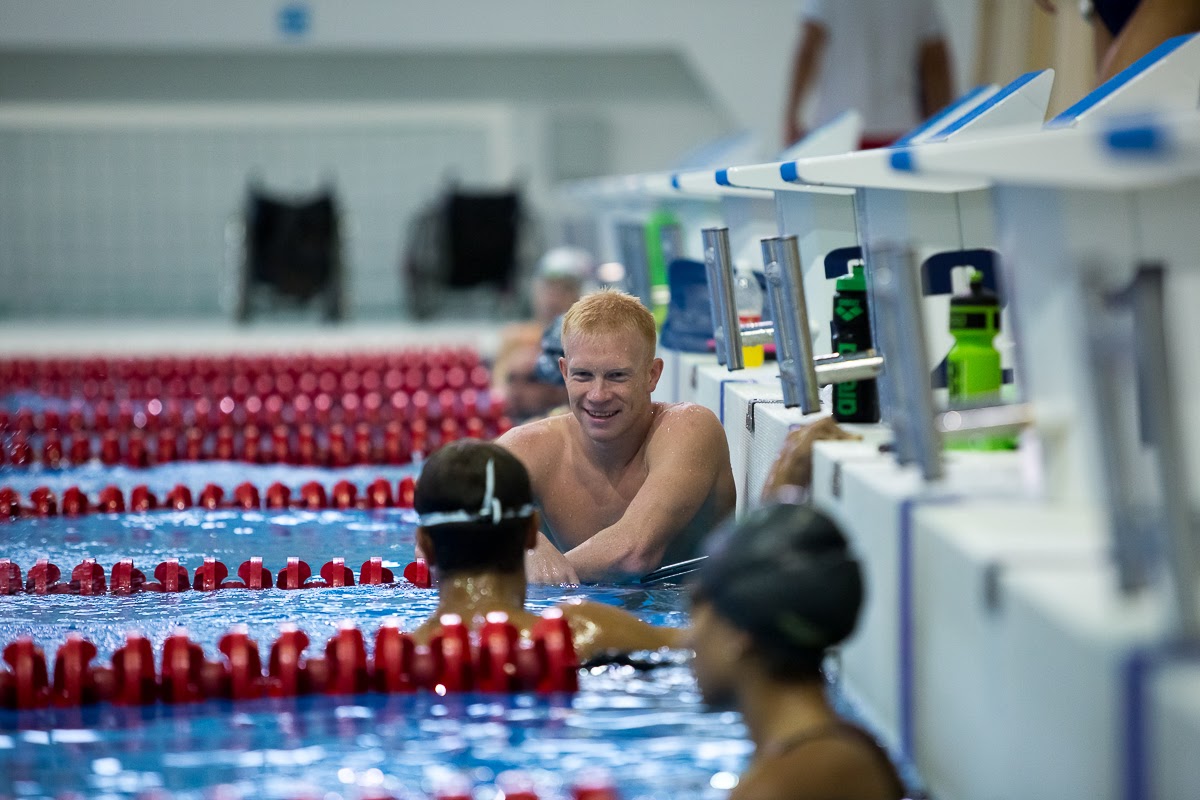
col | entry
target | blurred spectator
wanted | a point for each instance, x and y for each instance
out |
(562, 275)
(887, 59)
(1125, 30)
(515, 377)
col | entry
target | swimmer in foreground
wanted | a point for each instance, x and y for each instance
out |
(778, 590)
(477, 520)
(625, 484)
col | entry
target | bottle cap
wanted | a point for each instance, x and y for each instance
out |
(976, 310)
(853, 281)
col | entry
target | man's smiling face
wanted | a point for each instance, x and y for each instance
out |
(609, 380)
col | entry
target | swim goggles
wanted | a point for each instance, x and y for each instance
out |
(490, 511)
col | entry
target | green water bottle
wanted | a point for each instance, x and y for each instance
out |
(973, 372)
(662, 234)
(850, 330)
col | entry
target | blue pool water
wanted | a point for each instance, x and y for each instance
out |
(646, 727)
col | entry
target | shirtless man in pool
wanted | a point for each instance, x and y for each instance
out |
(624, 484)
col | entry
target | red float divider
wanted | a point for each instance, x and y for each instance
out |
(454, 660)
(394, 656)
(243, 678)
(316, 430)
(182, 669)
(555, 650)
(126, 579)
(74, 678)
(43, 578)
(44, 502)
(111, 500)
(27, 685)
(88, 578)
(10, 504)
(74, 502)
(417, 573)
(346, 662)
(134, 682)
(172, 578)
(141, 499)
(211, 576)
(254, 576)
(179, 498)
(10, 577)
(372, 573)
(294, 574)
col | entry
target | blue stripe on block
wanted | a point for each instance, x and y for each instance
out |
(674, 180)
(906, 638)
(983, 108)
(903, 160)
(1113, 84)
(723, 177)
(787, 171)
(939, 119)
(1141, 139)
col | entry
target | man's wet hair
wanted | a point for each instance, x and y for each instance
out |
(785, 575)
(453, 485)
(608, 311)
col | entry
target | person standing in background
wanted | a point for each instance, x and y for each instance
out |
(1125, 30)
(887, 59)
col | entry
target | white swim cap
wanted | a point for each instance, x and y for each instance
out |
(566, 262)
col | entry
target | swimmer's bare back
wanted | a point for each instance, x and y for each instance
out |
(617, 521)
(838, 761)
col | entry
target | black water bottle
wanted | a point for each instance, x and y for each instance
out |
(856, 401)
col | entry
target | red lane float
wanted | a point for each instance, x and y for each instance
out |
(344, 496)
(176, 378)
(381, 441)
(455, 660)
(88, 577)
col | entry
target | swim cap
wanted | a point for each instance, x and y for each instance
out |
(784, 574)
(451, 466)
(566, 262)
(475, 503)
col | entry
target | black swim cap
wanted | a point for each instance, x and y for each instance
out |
(475, 501)
(785, 575)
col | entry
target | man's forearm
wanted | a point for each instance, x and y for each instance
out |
(607, 558)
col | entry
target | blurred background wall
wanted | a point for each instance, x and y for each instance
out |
(130, 129)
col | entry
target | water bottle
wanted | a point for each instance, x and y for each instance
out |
(662, 247)
(748, 297)
(855, 401)
(973, 370)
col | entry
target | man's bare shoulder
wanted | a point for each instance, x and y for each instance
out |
(690, 412)
(687, 422)
(532, 441)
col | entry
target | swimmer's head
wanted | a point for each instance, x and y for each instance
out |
(476, 509)
(609, 312)
(780, 587)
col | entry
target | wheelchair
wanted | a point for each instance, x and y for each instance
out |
(287, 251)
